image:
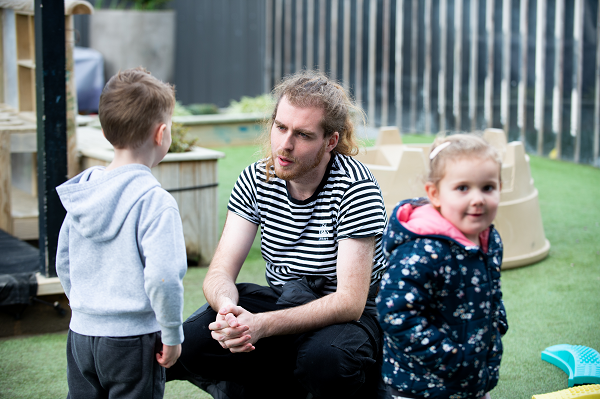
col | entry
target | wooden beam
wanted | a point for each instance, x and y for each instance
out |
(52, 125)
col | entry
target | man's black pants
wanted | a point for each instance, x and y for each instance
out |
(338, 361)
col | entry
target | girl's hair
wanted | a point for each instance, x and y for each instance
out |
(309, 88)
(455, 147)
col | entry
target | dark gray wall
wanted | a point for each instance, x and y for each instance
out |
(219, 53)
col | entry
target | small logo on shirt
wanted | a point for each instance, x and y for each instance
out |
(323, 233)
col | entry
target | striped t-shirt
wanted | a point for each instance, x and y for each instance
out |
(300, 238)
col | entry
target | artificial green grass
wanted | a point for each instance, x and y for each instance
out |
(553, 302)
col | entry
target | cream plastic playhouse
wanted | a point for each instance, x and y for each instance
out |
(401, 170)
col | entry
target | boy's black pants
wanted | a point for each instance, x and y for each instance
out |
(121, 367)
(338, 361)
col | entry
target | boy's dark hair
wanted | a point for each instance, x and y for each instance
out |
(132, 103)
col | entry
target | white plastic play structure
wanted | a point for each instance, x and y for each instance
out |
(401, 170)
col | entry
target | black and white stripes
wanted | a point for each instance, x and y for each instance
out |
(300, 238)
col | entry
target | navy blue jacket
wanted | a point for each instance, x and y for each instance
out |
(440, 307)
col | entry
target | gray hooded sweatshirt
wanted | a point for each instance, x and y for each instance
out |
(121, 254)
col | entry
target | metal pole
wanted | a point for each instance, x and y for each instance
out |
(457, 87)
(385, 67)
(488, 108)
(443, 54)
(51, 110)
(427, 70)
(372, 58)
(398, 60)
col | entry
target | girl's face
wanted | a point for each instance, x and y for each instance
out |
(468, 195)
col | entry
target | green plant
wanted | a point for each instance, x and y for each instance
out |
(202, 109)
(262, 103)
(179, 140)
(180, 110)
(133, 4)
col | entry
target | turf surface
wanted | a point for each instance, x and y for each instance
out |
(555, 301)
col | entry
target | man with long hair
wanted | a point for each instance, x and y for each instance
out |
(312, 331)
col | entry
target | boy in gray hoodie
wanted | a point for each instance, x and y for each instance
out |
(121, 253)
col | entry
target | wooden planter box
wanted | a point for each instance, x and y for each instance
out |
(191, 178)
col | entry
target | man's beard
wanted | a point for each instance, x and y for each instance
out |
(299, 168)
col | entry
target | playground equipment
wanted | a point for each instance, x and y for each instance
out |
(401, 170)
(580, 392)
(580, 363)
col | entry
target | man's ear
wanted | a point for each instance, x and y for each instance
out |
(433, 194)
(332, 141)
(158, 134)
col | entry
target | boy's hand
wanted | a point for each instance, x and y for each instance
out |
(169, 355)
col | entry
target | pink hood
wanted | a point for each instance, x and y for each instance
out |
(425, 220)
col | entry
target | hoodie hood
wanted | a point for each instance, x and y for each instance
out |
(417, 218)
(99, 207)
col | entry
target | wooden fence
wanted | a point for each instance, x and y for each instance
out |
(531, 67)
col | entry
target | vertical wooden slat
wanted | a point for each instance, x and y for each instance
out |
(310, 34)
(473, 73)
(359, 46)
(443, 55)
(522, 99)
(540, 74)
(268, 75)
(278, 36)
(557, 95)
(322, 33)
(414, 64)
(506, 52)
(6, 221)
(372, 58)
(287, 49)
(385, 68)
(577, 78)
(398, 58)
(427, 70)
(596, 160)
(299, 34)
(457, 86)
(488, 100)
(346, 55)
(334, 39)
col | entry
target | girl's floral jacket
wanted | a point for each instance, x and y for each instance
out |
(440, 306)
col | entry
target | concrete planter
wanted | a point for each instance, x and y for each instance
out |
(224, 129)
(130, 38)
